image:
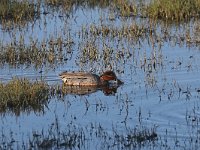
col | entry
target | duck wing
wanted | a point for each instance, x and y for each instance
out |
(79, 78)
(72, 75)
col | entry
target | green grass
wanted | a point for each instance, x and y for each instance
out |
(22, 95)
(173, 10)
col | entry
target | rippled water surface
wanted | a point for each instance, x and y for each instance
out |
(160, 90)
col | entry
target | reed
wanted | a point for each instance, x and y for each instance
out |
(132, 31)
(125, 8)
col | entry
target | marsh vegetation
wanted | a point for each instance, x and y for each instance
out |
(21, 95)
(177, 10)
(153, 47)
(15, 13)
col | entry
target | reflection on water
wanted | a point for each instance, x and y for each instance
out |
(85, 90)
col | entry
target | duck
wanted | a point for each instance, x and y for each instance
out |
(89, 79)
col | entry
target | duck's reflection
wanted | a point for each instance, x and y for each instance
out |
(86, 90)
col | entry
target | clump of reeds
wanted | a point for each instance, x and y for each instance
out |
(17, 12)
(89, 52)
(173, 10)
(23, 95)
(64, 4)
(37, 54)
(17, 54)
(122, 7)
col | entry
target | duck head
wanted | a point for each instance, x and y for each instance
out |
(109, 76)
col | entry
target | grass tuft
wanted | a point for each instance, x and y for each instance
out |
(22, 95)
(173, 10)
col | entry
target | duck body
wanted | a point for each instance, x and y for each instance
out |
(88, 79)
(80, 78)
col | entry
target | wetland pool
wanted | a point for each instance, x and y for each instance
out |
(157, 107)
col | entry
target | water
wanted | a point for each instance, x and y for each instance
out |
(165, 97)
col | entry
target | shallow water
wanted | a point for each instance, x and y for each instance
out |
(165, 97)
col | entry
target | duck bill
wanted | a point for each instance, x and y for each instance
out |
(119, 82)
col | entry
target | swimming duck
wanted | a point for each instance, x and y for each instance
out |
(89, 79)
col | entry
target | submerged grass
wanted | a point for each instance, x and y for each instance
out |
(92, 136)
(173, 10)
(22, 95)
